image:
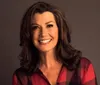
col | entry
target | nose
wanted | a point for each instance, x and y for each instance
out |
(43, 32)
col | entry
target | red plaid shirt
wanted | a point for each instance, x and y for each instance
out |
(84, 75)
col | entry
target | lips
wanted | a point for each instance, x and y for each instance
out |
(44, 41)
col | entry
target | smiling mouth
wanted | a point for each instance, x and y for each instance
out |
(45, 41)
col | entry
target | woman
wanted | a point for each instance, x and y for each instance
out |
(47, 57)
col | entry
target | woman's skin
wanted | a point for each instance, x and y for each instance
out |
(45, 38)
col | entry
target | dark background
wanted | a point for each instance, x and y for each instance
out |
(84, 20)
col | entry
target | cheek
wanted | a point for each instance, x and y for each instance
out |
(55, 32)
(35, 35)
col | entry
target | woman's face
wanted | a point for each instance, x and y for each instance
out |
(45, 31)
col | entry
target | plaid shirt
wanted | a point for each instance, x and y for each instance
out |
(84, 75)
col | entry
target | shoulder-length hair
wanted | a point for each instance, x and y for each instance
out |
(65, 53)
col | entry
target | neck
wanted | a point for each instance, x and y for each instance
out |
(48, 59)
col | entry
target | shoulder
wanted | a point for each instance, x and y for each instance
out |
(85, 62)
(20, 72)
(87, 68)
(19, 76)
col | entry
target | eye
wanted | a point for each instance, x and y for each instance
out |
(49, 25)
(34, 27)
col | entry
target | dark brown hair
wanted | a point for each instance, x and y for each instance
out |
(65, 53)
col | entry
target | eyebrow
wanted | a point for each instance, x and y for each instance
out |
(34, 24)
(45, 23)
(49, 22)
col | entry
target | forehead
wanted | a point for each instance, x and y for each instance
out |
(43, 17)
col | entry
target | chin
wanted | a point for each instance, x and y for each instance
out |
(44, 50)
(47, 49)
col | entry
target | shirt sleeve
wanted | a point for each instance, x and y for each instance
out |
(90, 77)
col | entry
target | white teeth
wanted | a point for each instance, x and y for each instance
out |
(44, 41)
